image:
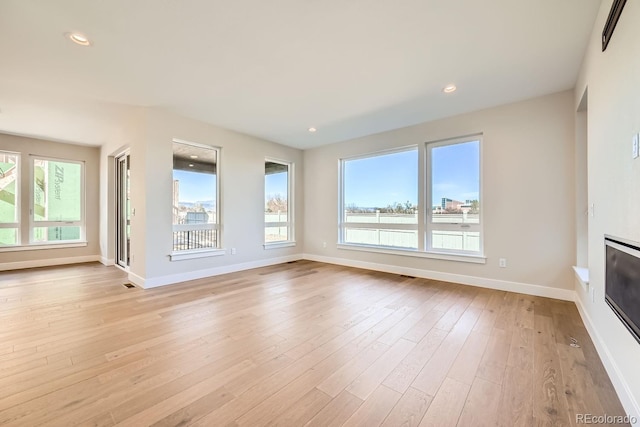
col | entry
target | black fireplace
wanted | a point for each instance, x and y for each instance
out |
(622, 281)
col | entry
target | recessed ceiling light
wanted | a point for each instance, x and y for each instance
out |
(190, 165)
(449, 88)
(193, 156)
(312, 130)
(78, 38)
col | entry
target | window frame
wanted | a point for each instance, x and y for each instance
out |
(38, 224)
(429, 225)
(425, 245)
(342, 223)
(179, 255)
(17, 225)
(290, 222)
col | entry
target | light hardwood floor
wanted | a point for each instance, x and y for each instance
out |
(296, 344)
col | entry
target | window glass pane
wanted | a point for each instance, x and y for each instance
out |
(57, 191)
(455, 181)
(8, 236)
(382, 237)
(455, 197)
(195, 210)
(8, 188)
(276, 207)
(53, 234)
(382, 190)
(456, 240)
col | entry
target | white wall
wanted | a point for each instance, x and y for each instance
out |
(130, 133)
(528, 196)
(241, 200)
(90, 155)
(613, 81)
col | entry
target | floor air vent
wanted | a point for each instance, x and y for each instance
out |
(128, 285)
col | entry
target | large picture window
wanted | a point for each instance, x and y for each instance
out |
(380, 200)
(278, 206)
(196, 224)
(57, 201)
(9, 199)
(453, 187)
(388, 201)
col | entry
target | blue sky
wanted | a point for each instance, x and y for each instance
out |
(456, 172)
(375, 181)
(196, 187)
(383, 180)
(276, 183)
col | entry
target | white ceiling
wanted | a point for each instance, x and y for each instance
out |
(273, 68)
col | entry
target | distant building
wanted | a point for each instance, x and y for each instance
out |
(450, 204)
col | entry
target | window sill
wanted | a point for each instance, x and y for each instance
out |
(475, 259)
(42, 246)
(582, 274)
(197, 253)
(278, 245)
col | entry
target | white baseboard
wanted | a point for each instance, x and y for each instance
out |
(48, 262)
(154, 282)
(502, 285)
(617, 379)
(136, 280)
(107, 261)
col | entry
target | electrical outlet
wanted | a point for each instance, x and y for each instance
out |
(324, 244)
(634, 145)
(233, 251)
(502, 263)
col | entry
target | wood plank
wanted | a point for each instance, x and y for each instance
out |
(406, 372)
(549, 403)
(495, 357)
(465, 366)
(341, 408)
(409, 411)
(303, 410)
(435, 370)
(447, 405)
(341, 378)
(481, 407)
(375, 409)
(373, 376)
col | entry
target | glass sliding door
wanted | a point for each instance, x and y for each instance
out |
(123, 210)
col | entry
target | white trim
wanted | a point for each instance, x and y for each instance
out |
(49, 262)
(154, 282)
(502, 285)
(619, 383)
(40, 246)
(278, 245)
(198, 253)
(477, 259)
(136, 280)
(107, 261)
